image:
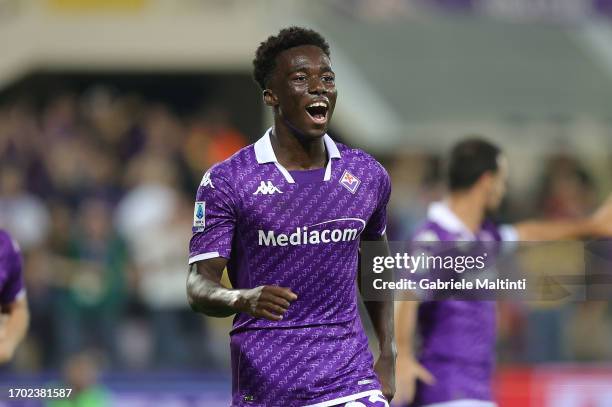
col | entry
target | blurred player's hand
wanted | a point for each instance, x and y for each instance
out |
(409, 370)
(266, 301)
(3, 333)
(7, 347)
(602, 219)
(385, 370)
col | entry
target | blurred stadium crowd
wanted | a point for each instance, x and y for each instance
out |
(97, 186)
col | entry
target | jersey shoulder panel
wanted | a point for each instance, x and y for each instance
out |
(230, 175)
(359, 158)
(8, 246)
(4, 237)
(428, 231)
(492, 229)
(356, 154)
(234, 167)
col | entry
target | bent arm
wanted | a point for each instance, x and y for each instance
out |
(205, 293)
(207, 296)
(598, 225)
(534, 230)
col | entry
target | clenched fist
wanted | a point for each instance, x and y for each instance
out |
(266, 301)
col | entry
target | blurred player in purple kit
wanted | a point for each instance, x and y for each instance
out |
(15, 315)
(286, 216)
(455, 363)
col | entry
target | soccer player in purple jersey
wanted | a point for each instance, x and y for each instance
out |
(15, 315)
(286, 216)
(455, 364)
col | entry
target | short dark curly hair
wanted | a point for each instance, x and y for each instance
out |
(265, 56)
(469, 160)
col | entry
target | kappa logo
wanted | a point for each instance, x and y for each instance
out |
(349, 181)
(267, 188)
(206, 181)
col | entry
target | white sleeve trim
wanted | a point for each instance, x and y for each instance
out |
(20, 295)
(203, 256)
(509, 236)
(508, 233)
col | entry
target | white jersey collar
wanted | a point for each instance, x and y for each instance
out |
(440, 213)
(264, 153)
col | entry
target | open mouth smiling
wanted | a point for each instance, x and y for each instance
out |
(318, 111)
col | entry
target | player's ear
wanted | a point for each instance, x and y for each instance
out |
(482, 182)
(487, 180)
(270, 98)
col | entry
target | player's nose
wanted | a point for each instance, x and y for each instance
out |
(316, 87)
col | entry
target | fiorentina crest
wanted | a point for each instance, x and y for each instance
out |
(349, 181)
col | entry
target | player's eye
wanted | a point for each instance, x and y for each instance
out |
(329, 78)
(300, 78)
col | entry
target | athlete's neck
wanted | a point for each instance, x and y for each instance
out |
(296, 151)
(469, 207)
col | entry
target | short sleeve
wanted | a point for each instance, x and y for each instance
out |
(508, 233)
(214, 218)
(377, 224)
(13, 287)
(509, 237)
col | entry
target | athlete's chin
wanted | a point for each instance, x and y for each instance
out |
(313, 130)
(315, 133)
(491, 211)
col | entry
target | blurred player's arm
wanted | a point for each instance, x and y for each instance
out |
(16, 318)
(597, 225)
(409, 370)
(208, 296)
(382, 315)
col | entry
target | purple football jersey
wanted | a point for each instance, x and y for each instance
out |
(458, 337)
(11, 276)
(299, 230)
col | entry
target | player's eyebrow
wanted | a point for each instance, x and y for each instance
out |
(298, 68)
(304, 67)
